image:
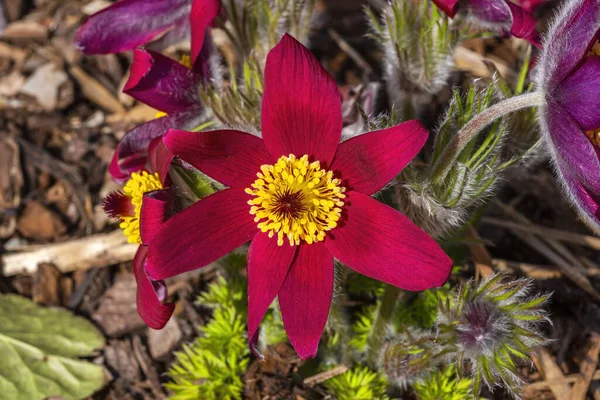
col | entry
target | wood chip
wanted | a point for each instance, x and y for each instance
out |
(46, 285)
(162, 342)
(25, 30)
(117, 313)
(38, 222)
(44, 85)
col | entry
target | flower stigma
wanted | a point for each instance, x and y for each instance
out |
(135, 188)
(296, 199)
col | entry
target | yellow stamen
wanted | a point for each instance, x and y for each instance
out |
(594, 137)
(135, 188)
(186, 60)
(296, 199)
(160, 114)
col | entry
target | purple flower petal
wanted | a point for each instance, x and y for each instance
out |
(494, 14)
(567, 42)
(578, 94)
(138, 139)
(586, 203)
(573, 149)
(128, 24)
(161, 82)
(523, 25)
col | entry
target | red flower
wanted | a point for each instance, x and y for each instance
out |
(142, 208)
(302, 198)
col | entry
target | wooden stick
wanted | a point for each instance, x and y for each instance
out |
(541, 385)
(80, 254)
(563, 236)
(325, 375)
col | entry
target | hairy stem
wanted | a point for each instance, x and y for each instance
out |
(383, 318)
(468, 132)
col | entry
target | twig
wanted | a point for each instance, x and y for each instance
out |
(80, 254)
(564, 236)
(323, 376)
(566, 380)
(536, 271)
(353, 54)
(570, 271)
(587, 368)
(550, 371)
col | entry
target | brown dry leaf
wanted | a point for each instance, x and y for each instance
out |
(44, 85)
(117, 313)
(38, 222)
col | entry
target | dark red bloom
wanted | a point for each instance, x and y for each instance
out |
(302, 198)
(142, 209)
(168, 86)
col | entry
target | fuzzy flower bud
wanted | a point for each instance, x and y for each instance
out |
(417, 40)
(409, 357)
(493, 327)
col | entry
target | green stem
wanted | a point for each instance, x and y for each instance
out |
(198, 183)
(383, 318)
(472, 128)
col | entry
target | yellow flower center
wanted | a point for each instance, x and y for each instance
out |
(135, 188)
(186, 61)
(296, 199)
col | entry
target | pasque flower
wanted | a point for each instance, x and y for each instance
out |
(142, 207)
(131, 23)
(170, 87)
(502, 16)
(568, 77)
(302, 199)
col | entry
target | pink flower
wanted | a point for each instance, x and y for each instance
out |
(142, 208)
(302, 198)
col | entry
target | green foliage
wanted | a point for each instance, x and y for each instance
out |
(422, 311)
(359, 284)
(358, 384)
(362, 327)
(444, 385)
(38, 346)
(211, 367)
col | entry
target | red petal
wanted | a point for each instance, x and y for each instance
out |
(153, 213)
(302, 107)
(367, 162)
(117, 205)
(523, 25)
(122, 171)
(201, 16)
(201, 234)
(268, 265)
(160, 158)
(377, 241)
(231, 157)
(151, 310)
(450, 7)
(305, 297)
(161, 82)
